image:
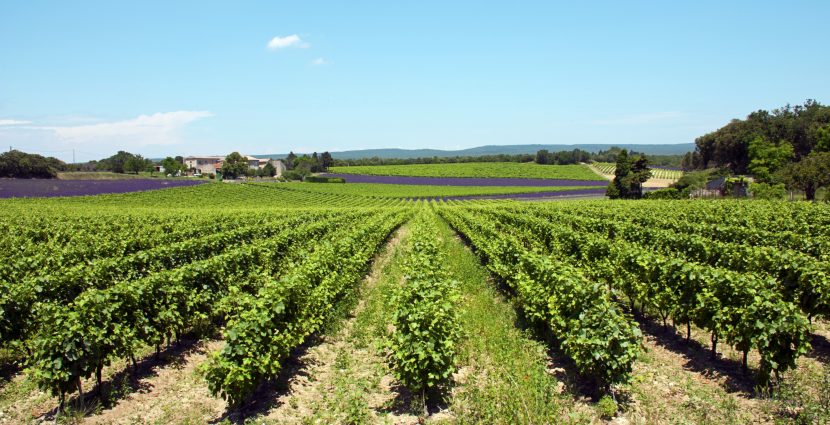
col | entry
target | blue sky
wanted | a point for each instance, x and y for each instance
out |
(206, 77)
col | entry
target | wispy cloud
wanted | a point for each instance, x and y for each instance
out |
(320, 61)
(13, 122)
(640, 119)
(156, 129)
(292, 40)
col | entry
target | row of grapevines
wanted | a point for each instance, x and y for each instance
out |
(63, 285)
(801, 278)
(91, 238)
(743, 309)
(807, 219)
(721, 229)
(251, 196)
(602, 341)
(78, 339)
(426, 325)
(290, 307)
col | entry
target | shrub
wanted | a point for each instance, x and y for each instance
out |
(667, 193)
(768, 191)
(319, 179)
(21, 165)
(607, 407)
(292, 175)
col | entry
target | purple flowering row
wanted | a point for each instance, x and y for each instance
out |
(27, 188)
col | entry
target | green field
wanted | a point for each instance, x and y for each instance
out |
(231, 296)
(269, 195)
(657, 173)
(476, 169)
(415, 191)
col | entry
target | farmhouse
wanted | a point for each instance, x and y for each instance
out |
(204, 164)
(212, 164)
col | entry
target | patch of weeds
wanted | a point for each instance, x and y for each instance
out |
(341, 361)
(368, 325)
(347, 403)
(805, 400)
(505, 377)
(73, 414)
(606, 407)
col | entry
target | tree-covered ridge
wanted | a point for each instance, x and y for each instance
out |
(801, 128)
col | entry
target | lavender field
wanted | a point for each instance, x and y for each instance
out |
(31, 188)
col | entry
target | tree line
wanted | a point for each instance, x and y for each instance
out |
(786, 147)
(543, 156)
(22, 165)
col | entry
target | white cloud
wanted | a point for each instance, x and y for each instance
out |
(640, 119)
(14, 122)
(320, 61)
(156, 129)
(292, 40)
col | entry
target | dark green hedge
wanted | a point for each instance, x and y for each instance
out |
(318, 179)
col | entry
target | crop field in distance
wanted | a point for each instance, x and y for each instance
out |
(476, 170)
(350, 303)
(656, 172)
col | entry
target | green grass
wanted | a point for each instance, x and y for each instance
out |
(476, 169)
(413, 191)
(505, 376)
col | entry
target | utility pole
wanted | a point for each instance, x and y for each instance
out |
(73, 156)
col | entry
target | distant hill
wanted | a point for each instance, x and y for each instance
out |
(674, 149)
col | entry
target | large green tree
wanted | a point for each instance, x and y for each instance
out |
(134, 164)
(172, 166)
(235, 165)
(822, 135)
(629, 176)
(809, 174)
(118, 162)
(326, 161)
(765, 158)
(290, 161)
(17, 164)
(268, 170)
(800, 126)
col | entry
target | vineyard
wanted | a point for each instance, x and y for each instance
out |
(281, 303)
(656, 172)
(475, 170)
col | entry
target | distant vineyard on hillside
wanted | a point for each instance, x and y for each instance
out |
(475, 170)
(657, 173)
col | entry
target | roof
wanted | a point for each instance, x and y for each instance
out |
(204, 157)
(222, 158)
(716, 184)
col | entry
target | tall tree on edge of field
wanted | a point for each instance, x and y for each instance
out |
(234, 166)
(134, 164)
(290, 161)
(326, 160)
(809, 174)
(629, 177)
